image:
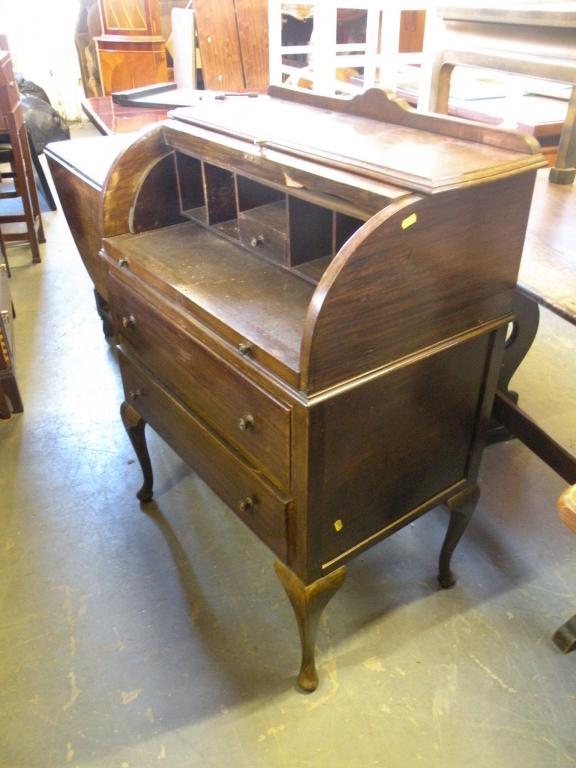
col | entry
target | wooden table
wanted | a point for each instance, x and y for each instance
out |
(110, 117)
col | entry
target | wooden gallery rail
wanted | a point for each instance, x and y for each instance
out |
(310, 298)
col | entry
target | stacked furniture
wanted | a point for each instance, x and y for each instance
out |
(18, 196)
(528, 40)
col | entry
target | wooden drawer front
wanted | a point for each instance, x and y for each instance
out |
(246, 416)
(264, 229)
(237, 484)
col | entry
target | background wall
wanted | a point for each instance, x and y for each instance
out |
(41, 38)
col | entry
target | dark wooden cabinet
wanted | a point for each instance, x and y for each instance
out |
(311, 298)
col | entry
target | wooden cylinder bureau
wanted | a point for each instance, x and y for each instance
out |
(311, 297)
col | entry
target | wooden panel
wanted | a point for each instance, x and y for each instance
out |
(390, 142)
(252, 20)
(80, 202)
(220, 194)
(190, 182)
(412, 25)
(219, 45)
(9, 95)
(91, 158)
(310, 231)
(386, 447)
(252, 194)
(342, 190)
(126, 176)
(413, 275)
(158, 200)
(122, 69)
(216, 392)
(344, 228)
(224, 472)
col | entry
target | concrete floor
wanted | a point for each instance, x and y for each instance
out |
(133, 638)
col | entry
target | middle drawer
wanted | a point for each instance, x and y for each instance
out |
(242, 413)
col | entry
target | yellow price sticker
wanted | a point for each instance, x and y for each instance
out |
(409, 221)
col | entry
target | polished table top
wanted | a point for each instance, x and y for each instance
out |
(111, 118)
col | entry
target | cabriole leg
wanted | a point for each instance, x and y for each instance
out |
(461, 509)
(134, 425)
(308, 602)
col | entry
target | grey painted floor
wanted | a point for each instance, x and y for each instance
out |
(132, 639)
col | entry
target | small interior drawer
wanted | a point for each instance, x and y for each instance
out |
(265, 230)
(238, 485)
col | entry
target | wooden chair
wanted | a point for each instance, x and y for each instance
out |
(565, 636)
(18, 199)
(4, 254)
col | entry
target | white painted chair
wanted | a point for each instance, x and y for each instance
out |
(377, 55)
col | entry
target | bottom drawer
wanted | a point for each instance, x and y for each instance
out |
(237, 484)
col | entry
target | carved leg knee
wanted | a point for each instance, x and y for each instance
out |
(308, 602)
(134, 425)
(461, 510)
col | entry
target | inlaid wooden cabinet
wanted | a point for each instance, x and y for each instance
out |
(311, 298)
(131, 50)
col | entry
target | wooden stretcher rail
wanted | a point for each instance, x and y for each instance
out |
(534, 437)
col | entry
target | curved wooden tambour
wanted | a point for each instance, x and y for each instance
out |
(421, 270)
(125, 178)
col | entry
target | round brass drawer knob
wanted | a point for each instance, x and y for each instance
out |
(246, 422)
(246, 505)
(134, 394)
(122, 262)
(129, 321)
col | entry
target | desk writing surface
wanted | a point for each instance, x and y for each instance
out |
(225, 284)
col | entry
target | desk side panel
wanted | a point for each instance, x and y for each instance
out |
(423, 270)
(387, 450)
(80, 202)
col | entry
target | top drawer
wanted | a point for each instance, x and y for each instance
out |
(242, 413)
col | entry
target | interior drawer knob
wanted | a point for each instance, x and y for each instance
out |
(245, 348)
(256, 241)
(134, 394)
(122, 262)
(129, 321)
(246, 422)
(247, 504)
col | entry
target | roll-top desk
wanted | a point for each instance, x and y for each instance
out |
(311, 298)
